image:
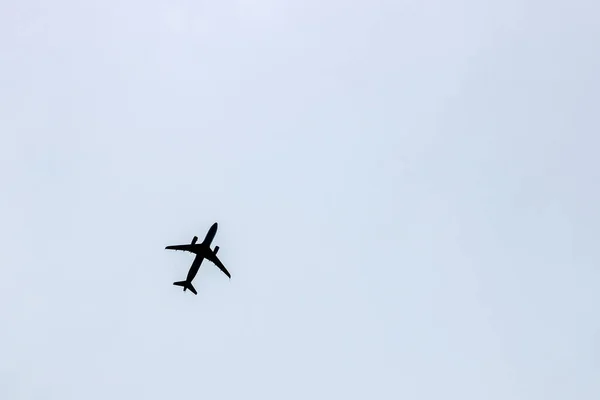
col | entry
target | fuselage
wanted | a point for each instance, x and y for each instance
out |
(210, 235)
(200, 249)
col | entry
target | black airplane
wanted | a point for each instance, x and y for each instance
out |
(202, 251)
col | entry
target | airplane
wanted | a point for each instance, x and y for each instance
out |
(202, 251)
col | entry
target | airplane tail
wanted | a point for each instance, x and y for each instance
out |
(186, 285)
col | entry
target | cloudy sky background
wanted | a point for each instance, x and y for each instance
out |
(407, 197)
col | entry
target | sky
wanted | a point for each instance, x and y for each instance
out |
(406, 191)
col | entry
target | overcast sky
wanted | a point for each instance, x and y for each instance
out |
(407, 195)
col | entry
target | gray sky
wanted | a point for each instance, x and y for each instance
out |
(407, 197)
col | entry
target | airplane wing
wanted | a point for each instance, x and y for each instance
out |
(212, 257)
(182, 247)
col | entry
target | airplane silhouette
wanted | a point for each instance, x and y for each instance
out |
(202, 251)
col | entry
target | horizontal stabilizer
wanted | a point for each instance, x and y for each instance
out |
(186, 285)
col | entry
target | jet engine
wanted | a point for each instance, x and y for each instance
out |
(216, 249)
(195, 239)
